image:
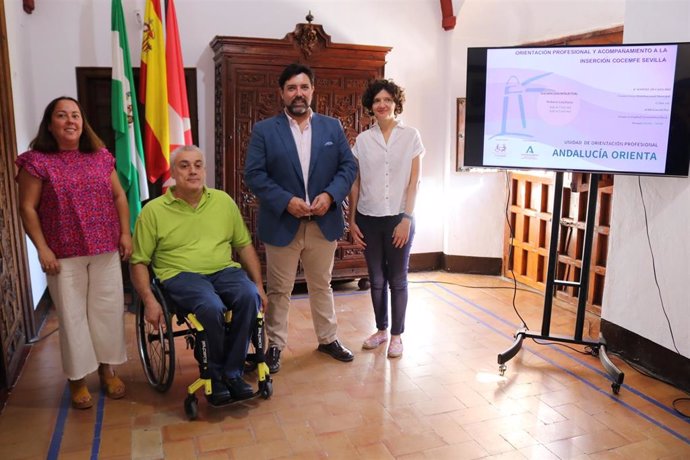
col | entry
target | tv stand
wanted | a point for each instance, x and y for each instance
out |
(598, 348)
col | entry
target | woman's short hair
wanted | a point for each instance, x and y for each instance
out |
(46, 142)
(376, 86)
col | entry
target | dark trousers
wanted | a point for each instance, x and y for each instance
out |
(388, 267)
(208, 297)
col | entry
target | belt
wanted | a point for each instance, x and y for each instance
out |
(307, 218)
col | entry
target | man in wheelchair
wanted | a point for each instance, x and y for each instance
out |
(187, 237)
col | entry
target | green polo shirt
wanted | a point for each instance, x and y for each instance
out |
(174, 237)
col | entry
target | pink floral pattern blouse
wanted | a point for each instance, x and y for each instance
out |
(77, 211)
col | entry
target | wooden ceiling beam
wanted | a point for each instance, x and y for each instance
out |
(448, 21)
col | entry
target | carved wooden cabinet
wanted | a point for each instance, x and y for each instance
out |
(246, 82)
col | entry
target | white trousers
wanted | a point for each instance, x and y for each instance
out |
(89, 299)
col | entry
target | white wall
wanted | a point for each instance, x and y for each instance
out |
(458, 213)
(631, 298)
(475, 215)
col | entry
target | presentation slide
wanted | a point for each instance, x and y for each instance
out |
(579, 108)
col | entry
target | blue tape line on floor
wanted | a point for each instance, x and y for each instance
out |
(583, 380)
(58, 431)
(53, 452)
(633, 390)
(95, 447)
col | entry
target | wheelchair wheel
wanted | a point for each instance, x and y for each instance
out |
(156, 346)
(191, 407)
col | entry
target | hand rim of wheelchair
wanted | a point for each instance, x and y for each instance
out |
(156, 345)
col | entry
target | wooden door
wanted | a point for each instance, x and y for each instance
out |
(17, 322)
(247, 71)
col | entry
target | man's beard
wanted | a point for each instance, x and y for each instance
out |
(298, 110)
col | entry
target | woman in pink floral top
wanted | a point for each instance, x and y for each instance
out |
(75, 212)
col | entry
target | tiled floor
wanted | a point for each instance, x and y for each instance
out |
(443, 399)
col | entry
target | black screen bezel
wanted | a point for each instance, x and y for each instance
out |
(678, 154)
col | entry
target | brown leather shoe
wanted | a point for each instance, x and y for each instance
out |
(337, 351)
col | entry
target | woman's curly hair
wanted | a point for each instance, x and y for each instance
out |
(375, 87)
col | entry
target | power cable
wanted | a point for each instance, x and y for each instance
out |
(43, 337)
(651, 252)
(510, 250)
(476, 287)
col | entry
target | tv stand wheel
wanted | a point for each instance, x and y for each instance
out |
(502, 369)
(363, 284)
(616, 387)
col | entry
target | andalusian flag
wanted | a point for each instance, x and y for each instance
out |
(129, 154)
(178, 113)
(154, 94)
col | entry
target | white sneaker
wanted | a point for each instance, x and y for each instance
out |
(375, 340)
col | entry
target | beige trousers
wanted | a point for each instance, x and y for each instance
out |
(89, 299)
(316, 254)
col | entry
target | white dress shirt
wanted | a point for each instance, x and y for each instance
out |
(303, 143)
(384, 168)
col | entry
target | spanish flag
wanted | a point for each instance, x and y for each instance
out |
(163, 90)
(153, 86)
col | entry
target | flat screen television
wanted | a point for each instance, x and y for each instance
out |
(618, 109)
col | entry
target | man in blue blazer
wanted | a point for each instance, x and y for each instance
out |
(300, 166)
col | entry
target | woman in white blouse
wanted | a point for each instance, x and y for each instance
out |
(382, 205)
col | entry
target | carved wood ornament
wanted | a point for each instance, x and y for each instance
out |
(307, 36)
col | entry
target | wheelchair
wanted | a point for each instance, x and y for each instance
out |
(157, 351)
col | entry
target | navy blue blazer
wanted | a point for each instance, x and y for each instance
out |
(273, 173)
